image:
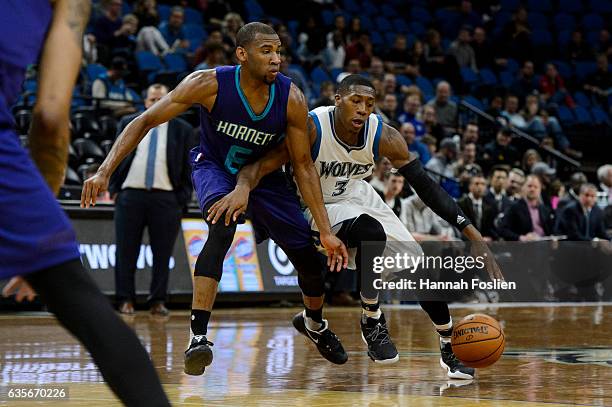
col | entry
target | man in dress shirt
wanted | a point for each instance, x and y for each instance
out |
(604, 175)
(516, 179)
(583, 220)
(480, 213)
(496, 195)
(152, 186)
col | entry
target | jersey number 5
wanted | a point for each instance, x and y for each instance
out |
(340, 187)
(236, 157)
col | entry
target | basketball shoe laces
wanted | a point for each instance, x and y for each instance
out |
(202, 338)
(379, 334)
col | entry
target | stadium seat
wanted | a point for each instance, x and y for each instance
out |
(401, 25)
(389, 37)
(335, 72)
(584, 69)
(71, 177)
(94, 71)
(538, 21)
(319, 75)
(195, 34)
(366, 23)
(351, 6)
(563, 39)
(582, 115)
(541, 38)
(86, 148)
(510, 5)
(369, 8)
(377, 39)
(564, 21)
(164, 12)
(512, 65)
(417, 28)
(469, 77)
(388, 11)
(23, 118)
(83, 122)
(599, 116)
(570, 6)
(420, 14)
(425, 86)
(592, 22)
(563, 68)
(73, 160)
(542, 6)
(582, 99)
(175, 62)
(506, 78)
(108, 127)
(382, 24)
(148, 62)
(566, 117)
(106, 146)
(601, 6)
(193, 16)
(328, 17)
(487, 77)
(592, 38)
(474, 102)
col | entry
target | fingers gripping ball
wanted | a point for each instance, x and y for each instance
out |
(478, 340)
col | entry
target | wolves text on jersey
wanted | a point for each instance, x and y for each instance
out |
(345, 169)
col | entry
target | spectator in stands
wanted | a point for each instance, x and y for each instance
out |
(107, 27)
(150, 193)
(388, 110)
(483, 51)
(546, 174)
(431, 143)
(462, 50)
(516, 179)
(312, 42)
(214, 37)
(394, 184)
(421, 221)
(516, 36)
(576, 180)
(465, 167)
(446, 109)
(434, 54)
(339, 28)
(555, 131)
(232, 22)
(398, 58)
(295, 74)
(381, 167)
(480, 212)
(599, 83)
(124, 42)
(173, 30)
(412, 106)
(442, 163)
(326, 95)
(530, 157)
(414, 145)
(468, 17)
(377, 69)
(470, 134)
(495, 106)
(354, 30)
(430, 120)
(527, 219)
(500, 150)
(604, 176)
(417, 60)
(578, 49)
(496, 194)
(361, 49)
(527, 120)
(335, 52)
(552, 88)
(146, 11)
(215, 56)
(582, 220)
(526, 82)
(604, 45)
(111, 86)
(353, 67)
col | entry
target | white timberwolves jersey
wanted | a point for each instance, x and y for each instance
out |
(342, 167)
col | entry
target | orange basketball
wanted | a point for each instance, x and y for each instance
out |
(478, 340)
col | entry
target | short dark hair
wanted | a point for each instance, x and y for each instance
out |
(499, 167)
(248, 32)
(354, 80)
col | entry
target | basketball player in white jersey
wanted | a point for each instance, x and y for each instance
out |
(346, 140)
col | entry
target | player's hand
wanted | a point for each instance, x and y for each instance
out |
(233, 205)
(337, 255)
(92, 187)
(20, 288)
(480, 249)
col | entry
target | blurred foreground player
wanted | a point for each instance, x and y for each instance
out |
(346, 141)
(246, 110)
(38, 247)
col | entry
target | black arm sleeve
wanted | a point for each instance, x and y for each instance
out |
(433, 195)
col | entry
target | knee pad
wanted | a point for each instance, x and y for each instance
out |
(307, 262)
(365, 229)
(210, 259)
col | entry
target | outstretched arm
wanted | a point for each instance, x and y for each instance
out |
(199, 87)
(393, 146)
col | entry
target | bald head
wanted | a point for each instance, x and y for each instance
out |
(443, 92)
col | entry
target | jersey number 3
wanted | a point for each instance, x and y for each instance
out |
(236, 157)
(340, 187)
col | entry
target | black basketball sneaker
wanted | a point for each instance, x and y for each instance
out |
(327, 342)
(375, 334)
(198, 355)
(453, 366)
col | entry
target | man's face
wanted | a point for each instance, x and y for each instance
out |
(176, 19)
(478, 186)
(429, 114)
(607, 180)
(154, 95)
(470, 135)
(355, 106)
(215, 37)
(390, 83)
(528, 68)
(412, 104)
(262, 57)
(390, 103)
(400, 43)
(407, 131)
(328, 91)
(499, 181)
(480, 35)
(588, 197)
(532, 188)
(602, 63)
(515, 183)
(115, 7)
(469, 153)
(395, 184)
(442, 93)
(353, 66)
(464, 36)
(503, 139)
(512, 104)
(376, 67)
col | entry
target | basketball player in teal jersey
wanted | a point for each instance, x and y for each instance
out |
(346, 141)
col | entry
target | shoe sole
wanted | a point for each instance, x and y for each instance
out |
(197, 359)
(297, 328)
(455, 375)
(380, 361)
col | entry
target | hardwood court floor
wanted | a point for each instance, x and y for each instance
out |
(554, 356)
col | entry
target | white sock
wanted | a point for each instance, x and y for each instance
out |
(444, 339)
(311, 324)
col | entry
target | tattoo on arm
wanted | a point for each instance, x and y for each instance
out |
(78, 15)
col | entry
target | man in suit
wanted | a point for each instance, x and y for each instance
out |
(152, 186)
(479, 212)
(576, 181)
(582, 220)
(496, 195)
(516, 179)
(527, 219)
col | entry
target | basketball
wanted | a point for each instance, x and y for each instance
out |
(478, 340)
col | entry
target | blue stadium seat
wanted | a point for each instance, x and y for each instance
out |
(538, 21)
(541, 38)
(570, 6)
(425, 86)
(584, 69)
(293, 26)
(328, 17)
(195, 31)
(601, 6)
(599, 116)
(376, 38)
(388, 11)
(564, 21)
(592, 38)
(175, 62)
(335, 72)
(510, 5)
(94, 71)
(487, 77)
(148, 62)
(420, 14)
(502, 18)
(382, 24)
(506, 78)
(566, 117)
(164, 12)
(417, 28)
(592, 22)
(366, 23)
(403, 80)
(582, 99)
(512, 65)
(401, 25)
(253, 10)
(193, 16)
(582, 115)
(369, 8)
(319, 75)
(351, 6)
(542, 6)
(474, 102)
(469, 76)
(563, 39)
(390, 37)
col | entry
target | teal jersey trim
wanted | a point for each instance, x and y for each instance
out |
(245, 102)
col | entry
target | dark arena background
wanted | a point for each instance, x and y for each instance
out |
(508, 106)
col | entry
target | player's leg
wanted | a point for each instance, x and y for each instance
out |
(440, 316)
(80, 307)
(368, 236)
